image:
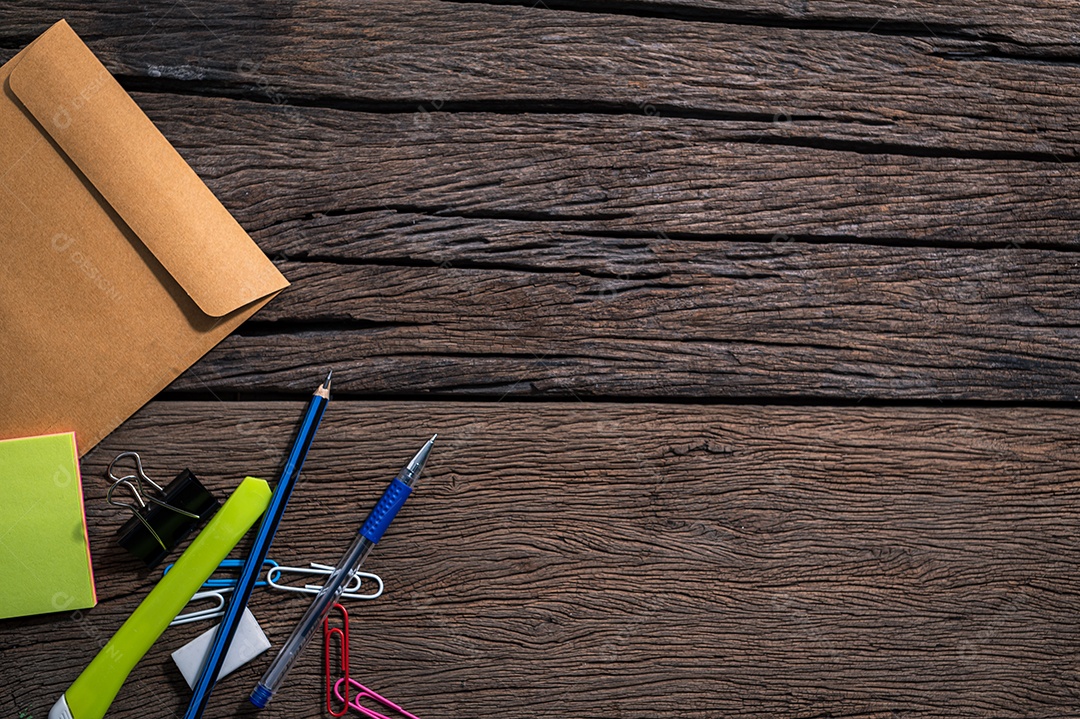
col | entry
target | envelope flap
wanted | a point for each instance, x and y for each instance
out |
(145, 180)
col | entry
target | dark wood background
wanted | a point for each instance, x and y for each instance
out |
(750, 331)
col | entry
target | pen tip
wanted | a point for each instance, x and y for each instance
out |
(433, 437)
(326, 382)
(416, 465)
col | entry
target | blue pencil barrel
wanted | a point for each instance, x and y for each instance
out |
(204, 686)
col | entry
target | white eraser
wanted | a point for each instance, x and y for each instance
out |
(249, 642)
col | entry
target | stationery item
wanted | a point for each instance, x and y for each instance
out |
(92, 692)
(363, 692)
(218, 588)
(341, 687)
(250, 641)
(341, 634)
(369, 535)
(351, 590)
(42, 525)
(228, 582)
(218, 610)
(118, 267)
(265, 536)
(161, 517)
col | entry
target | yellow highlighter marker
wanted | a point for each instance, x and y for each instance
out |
(91, 694)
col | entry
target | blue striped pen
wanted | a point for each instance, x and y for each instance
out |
(250, 572)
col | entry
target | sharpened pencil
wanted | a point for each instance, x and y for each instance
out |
(250, 572)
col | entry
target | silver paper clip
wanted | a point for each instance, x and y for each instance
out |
(351, 590)
(135, 485)
(215, 589)
(218, 610)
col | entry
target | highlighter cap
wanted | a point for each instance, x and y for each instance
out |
(60, 709)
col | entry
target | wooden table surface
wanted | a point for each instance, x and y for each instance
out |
(750, 331)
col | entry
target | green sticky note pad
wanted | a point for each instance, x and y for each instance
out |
(44, 550)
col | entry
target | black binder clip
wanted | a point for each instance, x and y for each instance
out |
(161, 517)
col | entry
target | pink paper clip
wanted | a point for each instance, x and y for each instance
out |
(363, 692)
(342, 633)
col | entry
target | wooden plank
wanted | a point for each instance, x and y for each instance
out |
(806, 86)
(1039, 27)
(570, 306)
(1047, 28)
(586, 292)
(615, 173)
(699, 315)
(691, 319)
(610, 560)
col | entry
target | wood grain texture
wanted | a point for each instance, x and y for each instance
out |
(932, 93)
(1043, 27)
(615, 173)
(779, 201)
(618, 277)
(688, 319)
(606, 560)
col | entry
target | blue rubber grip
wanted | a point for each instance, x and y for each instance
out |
(385, 511)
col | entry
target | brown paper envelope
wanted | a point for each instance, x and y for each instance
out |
(118, 267)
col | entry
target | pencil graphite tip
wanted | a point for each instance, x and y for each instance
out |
(323, 390)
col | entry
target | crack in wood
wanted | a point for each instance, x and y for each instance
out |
(531, 107)
(676, 11)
